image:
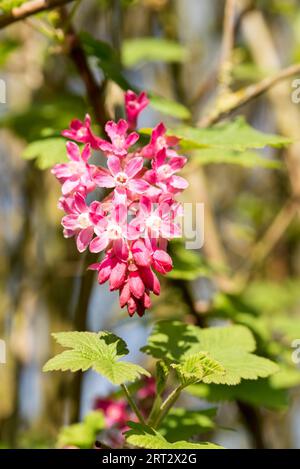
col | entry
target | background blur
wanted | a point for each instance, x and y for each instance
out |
(44, 283)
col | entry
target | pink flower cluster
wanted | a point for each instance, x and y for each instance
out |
(133, 224)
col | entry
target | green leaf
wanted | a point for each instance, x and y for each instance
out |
(44, 117)
(112, 68)
(95, 420)
(235, 135)
(76, 435)
(272, 297)
(182, 423)
(260, 393)
(247, 159)
(99, 351)
(162, 373)
(286, 378)
(7, 46)
(46, 152)
(187, 264)
(169, 107)
(8, 5)
(143, 436)
(83, 434)
(230, 346)
(147, 49)
(196, 367)
(108, 59)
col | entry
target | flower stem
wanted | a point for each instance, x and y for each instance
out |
(155, 410)
(133, 404)
(167, 404)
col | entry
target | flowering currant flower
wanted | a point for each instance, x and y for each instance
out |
(163, 172)
(158, 222)
(112, 230)
(122, 177)
(133, 107)
(81, 132)
(158, 141)
(120, 141)
(116, 412)
(135, 221)
(80, 221)
(77, 174)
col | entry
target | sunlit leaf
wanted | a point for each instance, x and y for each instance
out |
(143, 436)
(183, 423)
(169, 107)
(247, 159)
(235, 135)
(230, 346)
(46, 152)
(82, 435)
(100, 351)
(147, 49)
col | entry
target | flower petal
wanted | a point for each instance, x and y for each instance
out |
(138, 185)
(102, 179)
(99, 243)
(79, 202)
(84, 237)
(136, 284)
(73, 151)
(134, 166)
(114, 165)
(69, 185)
(178, 182)
(117, 276)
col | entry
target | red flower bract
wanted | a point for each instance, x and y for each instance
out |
(133, 224)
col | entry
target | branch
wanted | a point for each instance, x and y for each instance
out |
(167, 404)
(243, 96)
(260, 251)
(133, 404)
(28, 9)
(95, 92)
(227, 46)
(95, 95)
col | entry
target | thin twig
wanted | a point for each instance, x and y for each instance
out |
(94, 91)
(243, 96)
(266, 244)
(133, 404)
(167, 404)
(28, 9)
(224, 75)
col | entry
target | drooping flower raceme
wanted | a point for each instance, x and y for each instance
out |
(131, 227)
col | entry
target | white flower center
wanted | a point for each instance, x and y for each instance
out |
(77, 167)
(114, 231)
(83, 220)
(161, 142)
(121, 178)
(153, 222)
(81, 132)
(119, 141)
(165, 170)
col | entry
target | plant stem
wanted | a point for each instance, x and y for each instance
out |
(133, 404)
(243, 96)
(28, 9)
(167, 404)
(155, 410)
(224, 76)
